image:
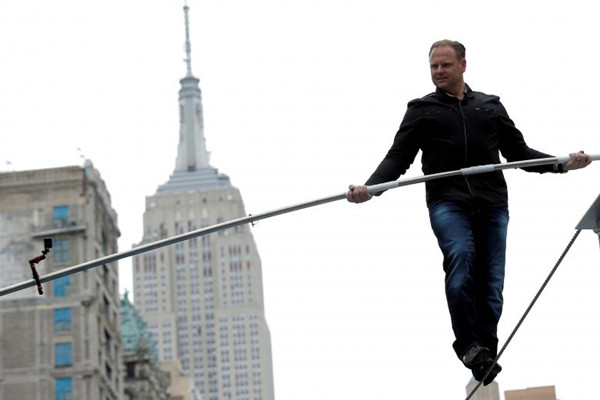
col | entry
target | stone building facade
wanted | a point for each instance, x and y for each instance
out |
(64, 344)
(144, 380)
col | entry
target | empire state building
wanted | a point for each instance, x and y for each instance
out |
(203, 298)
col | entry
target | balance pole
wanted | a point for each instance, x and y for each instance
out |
(258, 217)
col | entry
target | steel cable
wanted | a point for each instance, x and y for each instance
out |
(510, 337)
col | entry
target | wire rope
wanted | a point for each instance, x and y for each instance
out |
(535, 299)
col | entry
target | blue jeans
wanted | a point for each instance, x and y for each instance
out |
(473, 242)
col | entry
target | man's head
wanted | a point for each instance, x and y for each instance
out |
(447, 63)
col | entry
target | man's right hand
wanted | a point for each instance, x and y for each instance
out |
(358, 194)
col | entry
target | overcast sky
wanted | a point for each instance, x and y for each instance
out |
(300, 99)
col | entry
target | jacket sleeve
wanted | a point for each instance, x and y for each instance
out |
(403, 151)
(513, 146)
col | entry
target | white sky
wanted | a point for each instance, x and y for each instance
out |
(302, 98)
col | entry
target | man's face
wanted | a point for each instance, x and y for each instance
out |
(446, 69)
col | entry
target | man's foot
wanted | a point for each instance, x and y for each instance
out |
(479, 361)
(480, 371)
(475, 356)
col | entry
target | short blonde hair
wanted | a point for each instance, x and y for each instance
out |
(461, 52)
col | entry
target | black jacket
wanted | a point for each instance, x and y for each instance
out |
(455, 134)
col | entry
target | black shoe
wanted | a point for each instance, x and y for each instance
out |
(475, 356)
(479, 361)
(480, 371)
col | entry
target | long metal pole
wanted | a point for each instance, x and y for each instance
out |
(257, 217)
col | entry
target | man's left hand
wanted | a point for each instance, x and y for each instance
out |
(578, 160)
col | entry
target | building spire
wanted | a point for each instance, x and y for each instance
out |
(192, 165)
(191, 153)
(188, 46)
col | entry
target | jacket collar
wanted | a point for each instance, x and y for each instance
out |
(444, 96)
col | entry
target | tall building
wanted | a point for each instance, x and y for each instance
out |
(489, 392)
(182, 386)
(144, 380)
(63, 344)
(203, 298)
(537, 393)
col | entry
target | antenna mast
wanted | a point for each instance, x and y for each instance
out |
(188, 47)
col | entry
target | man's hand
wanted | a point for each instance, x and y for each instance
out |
(358, 194)
(578, 160)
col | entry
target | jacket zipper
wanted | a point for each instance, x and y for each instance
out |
(462, 116)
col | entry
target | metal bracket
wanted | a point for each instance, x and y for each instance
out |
(591, 219)
(36, 260)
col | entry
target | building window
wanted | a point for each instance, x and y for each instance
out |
(64, 389)
(60, 213)
(130, 369)
(108, 371)
(107, 341)
(105, 306)
(105, 274)
(62, 320)
(104, 243)
(62, 286)
(62, 251)
(63, 354)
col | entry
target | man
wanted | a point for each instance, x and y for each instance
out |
(456, 127)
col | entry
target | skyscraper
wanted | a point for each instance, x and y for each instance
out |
(203, 299)
(64, 344)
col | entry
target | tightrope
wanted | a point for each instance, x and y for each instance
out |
(526, 313)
